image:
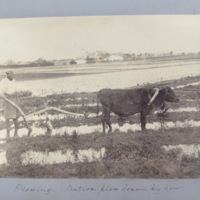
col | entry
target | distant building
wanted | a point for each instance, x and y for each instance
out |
(115, 58)
(61, 62)
(80, 61)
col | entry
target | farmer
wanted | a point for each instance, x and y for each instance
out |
(8, 89)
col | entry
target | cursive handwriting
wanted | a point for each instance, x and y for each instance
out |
(108, 188)
(80, 189)
(24, 189)
(127, 188)
(155, 189)
(105, 188)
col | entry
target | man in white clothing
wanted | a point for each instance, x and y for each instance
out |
(8, 92)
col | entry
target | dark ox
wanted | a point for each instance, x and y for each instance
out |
(125, 103)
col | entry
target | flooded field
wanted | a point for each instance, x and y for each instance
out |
(3, 159)
(46, 158)
(102, 76)
(191, 150)
(85, 129)
(77, 148)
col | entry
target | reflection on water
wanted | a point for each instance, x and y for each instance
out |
(3, 159)
(86, 129)
(186, 109)
(191, 150)
(23, 132)
(93, 82)
(56, 157)
(189, 84)
(192, 100)
(2, 118)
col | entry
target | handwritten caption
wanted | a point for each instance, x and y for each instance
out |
(104, 188)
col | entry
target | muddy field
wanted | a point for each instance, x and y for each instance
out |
(170, 148)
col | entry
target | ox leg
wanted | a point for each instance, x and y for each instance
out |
(108, 121)
(103, 121)
(103, 125)
(16, 127)
(143, 120)
(8, 127)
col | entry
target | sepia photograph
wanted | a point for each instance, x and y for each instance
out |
(100, 97)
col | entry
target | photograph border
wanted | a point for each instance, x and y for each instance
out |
(18, 189)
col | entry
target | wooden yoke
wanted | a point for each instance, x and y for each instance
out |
(154, 96)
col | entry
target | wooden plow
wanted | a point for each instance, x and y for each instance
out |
(45, 110)
(48, 121)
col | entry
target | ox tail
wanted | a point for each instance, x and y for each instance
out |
(98, 101)
(97, 109)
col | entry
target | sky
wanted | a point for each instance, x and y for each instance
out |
(27, 39)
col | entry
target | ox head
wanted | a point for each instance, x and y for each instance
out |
(170, 95)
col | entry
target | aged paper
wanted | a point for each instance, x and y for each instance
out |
(143, 125)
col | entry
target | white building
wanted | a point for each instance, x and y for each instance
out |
(115, 58)
(80, 61)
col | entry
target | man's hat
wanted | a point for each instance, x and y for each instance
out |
(10, 72)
